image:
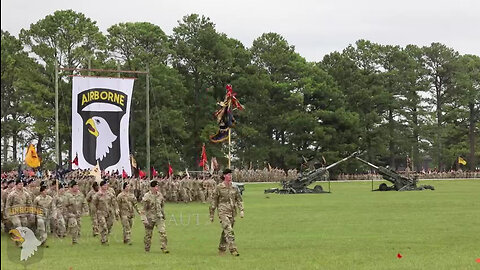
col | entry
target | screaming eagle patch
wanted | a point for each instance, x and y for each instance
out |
(101, 128)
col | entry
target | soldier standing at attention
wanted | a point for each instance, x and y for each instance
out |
(75, 203)
(127, 203)
(154, 215)
(102, 203)
(226, 199)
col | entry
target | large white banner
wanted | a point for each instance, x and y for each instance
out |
(100, 122)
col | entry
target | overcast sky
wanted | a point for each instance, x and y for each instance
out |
(315, 28)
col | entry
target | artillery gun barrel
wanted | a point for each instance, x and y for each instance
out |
(368, 163)
(342, 160)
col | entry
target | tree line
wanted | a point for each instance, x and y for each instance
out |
(391, 101)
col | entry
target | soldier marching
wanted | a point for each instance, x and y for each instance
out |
(64, 201)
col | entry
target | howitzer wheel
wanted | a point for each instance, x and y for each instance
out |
(383, 187)
(318, 189)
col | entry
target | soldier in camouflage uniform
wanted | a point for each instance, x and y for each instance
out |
(91, 209)
(27, 187)
(189, 189)
(173, 190)
(44, 202)
(162, 187)
(18, 198)
(126, 204)
(227, 199)
(211, 188)
(182, 190)
(102, 202)
(5, 192)
(114, 214)
(153, 215)
(198, 190)
(59, 202)
(74, 203)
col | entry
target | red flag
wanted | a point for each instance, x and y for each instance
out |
(399, 256)
(203, 160)
(154, 172)
(231, 95)
(75, 160)
(141, 174)
(170, 170)
(124, 173)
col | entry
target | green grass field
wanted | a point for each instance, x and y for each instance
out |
(351, 228)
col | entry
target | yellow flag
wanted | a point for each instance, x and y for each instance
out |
(32, 159)
(462, 161)
(133, 161)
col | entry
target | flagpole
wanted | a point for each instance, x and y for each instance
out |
(229, 145)
(148, 120)
(57, 143)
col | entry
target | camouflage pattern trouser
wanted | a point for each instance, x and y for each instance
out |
(42, 228)
(74, 227)
(227, 239)
(31, 221)
(127, 228)
(210, 194)
(110, 221)
(52, 225)
(174, 196)
(183, 194)
(95, 229)
(105, 223)
(8, 224)
(60, 228)
(79, 224)
(201, 196)
(160, 223)
(19, 221)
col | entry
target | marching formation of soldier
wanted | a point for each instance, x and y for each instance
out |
(55, 208)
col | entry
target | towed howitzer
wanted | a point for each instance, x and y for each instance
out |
(399, 182)
(300, 185)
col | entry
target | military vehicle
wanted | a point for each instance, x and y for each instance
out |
(300, 185)
(400, 182)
